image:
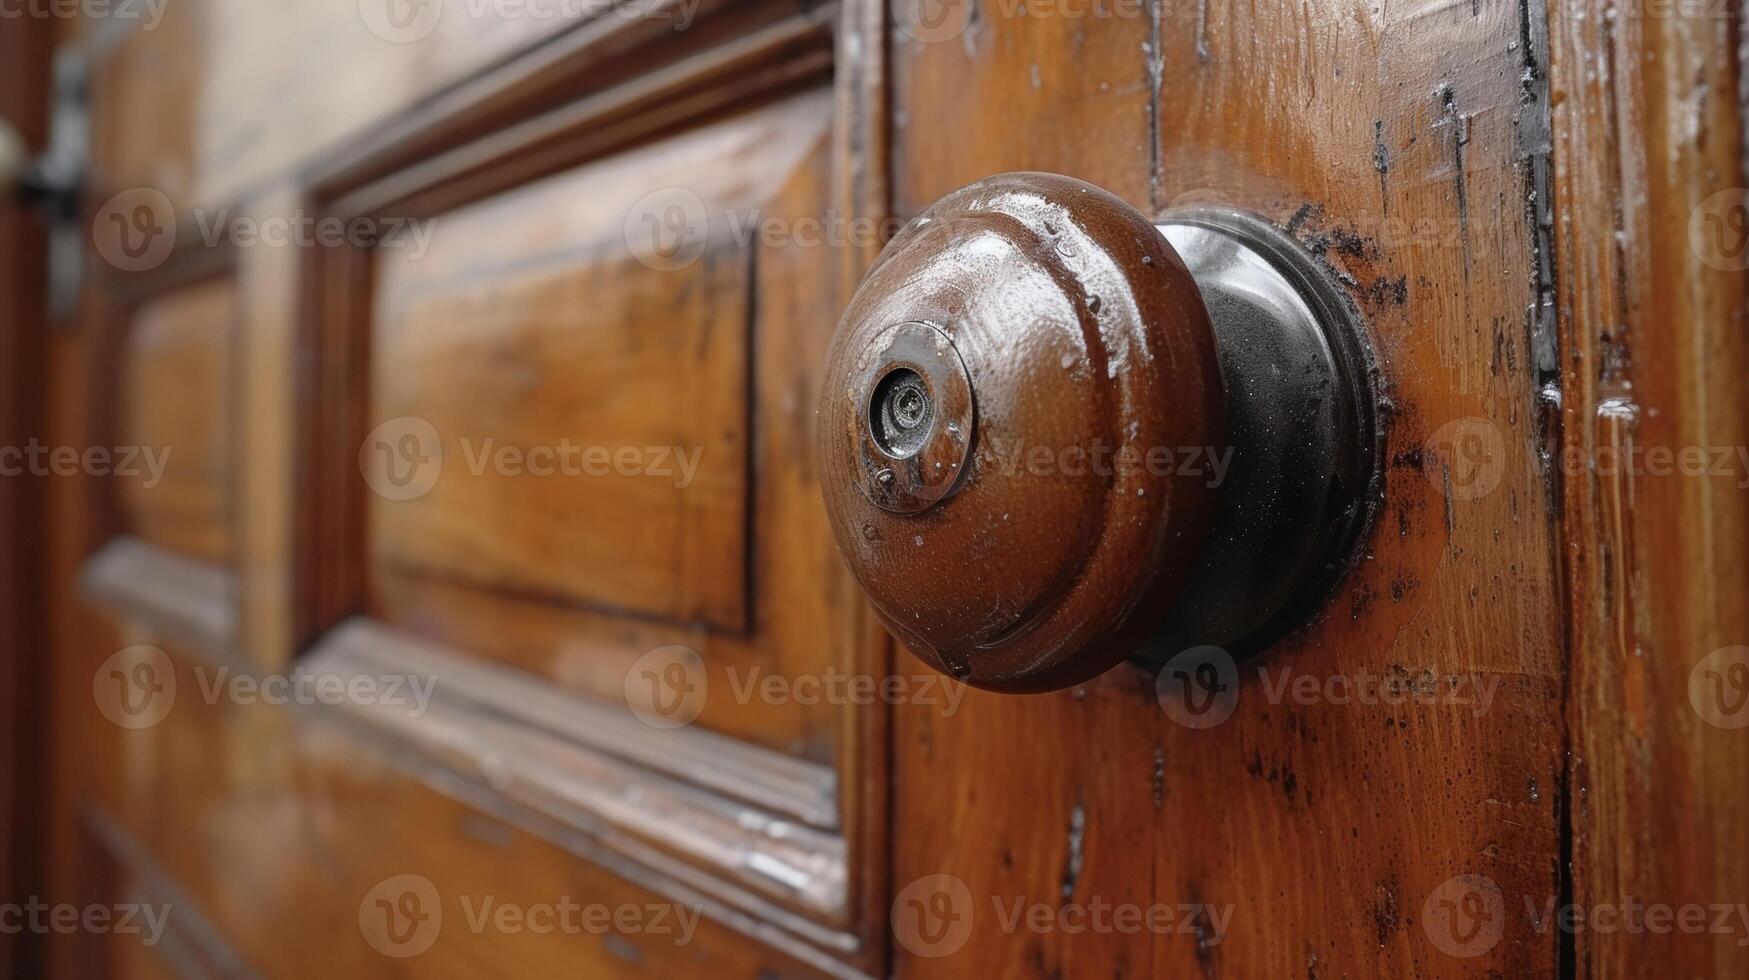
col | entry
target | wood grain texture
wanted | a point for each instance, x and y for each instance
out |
(786, 860)
(1648, 145)
(766, 173)
(1324, 829)
(1409, 145)
(978, 90)
(200, 132)
(753, 830)
(591, 411)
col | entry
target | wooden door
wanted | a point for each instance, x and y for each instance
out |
(454, 595)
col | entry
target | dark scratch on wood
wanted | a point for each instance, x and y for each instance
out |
(1381, 161)
(1460, 126)
(1450, 510)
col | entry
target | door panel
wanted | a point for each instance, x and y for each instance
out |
(545, 750)
(487, 573)
(178, 372)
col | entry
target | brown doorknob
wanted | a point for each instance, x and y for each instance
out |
(1054, 436)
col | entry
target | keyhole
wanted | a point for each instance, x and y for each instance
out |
(901, 412)
(909, 404)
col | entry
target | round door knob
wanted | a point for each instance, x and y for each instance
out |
(1054, 436)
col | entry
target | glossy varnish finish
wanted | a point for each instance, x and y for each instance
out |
(276, 824)
(1453, 165)
(1080, 331)
(1392, 142)
(1655, 355)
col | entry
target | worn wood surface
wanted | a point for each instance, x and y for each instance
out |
(1649, 207)
(1458, 166)
(1389, 140)
(1036, 310)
